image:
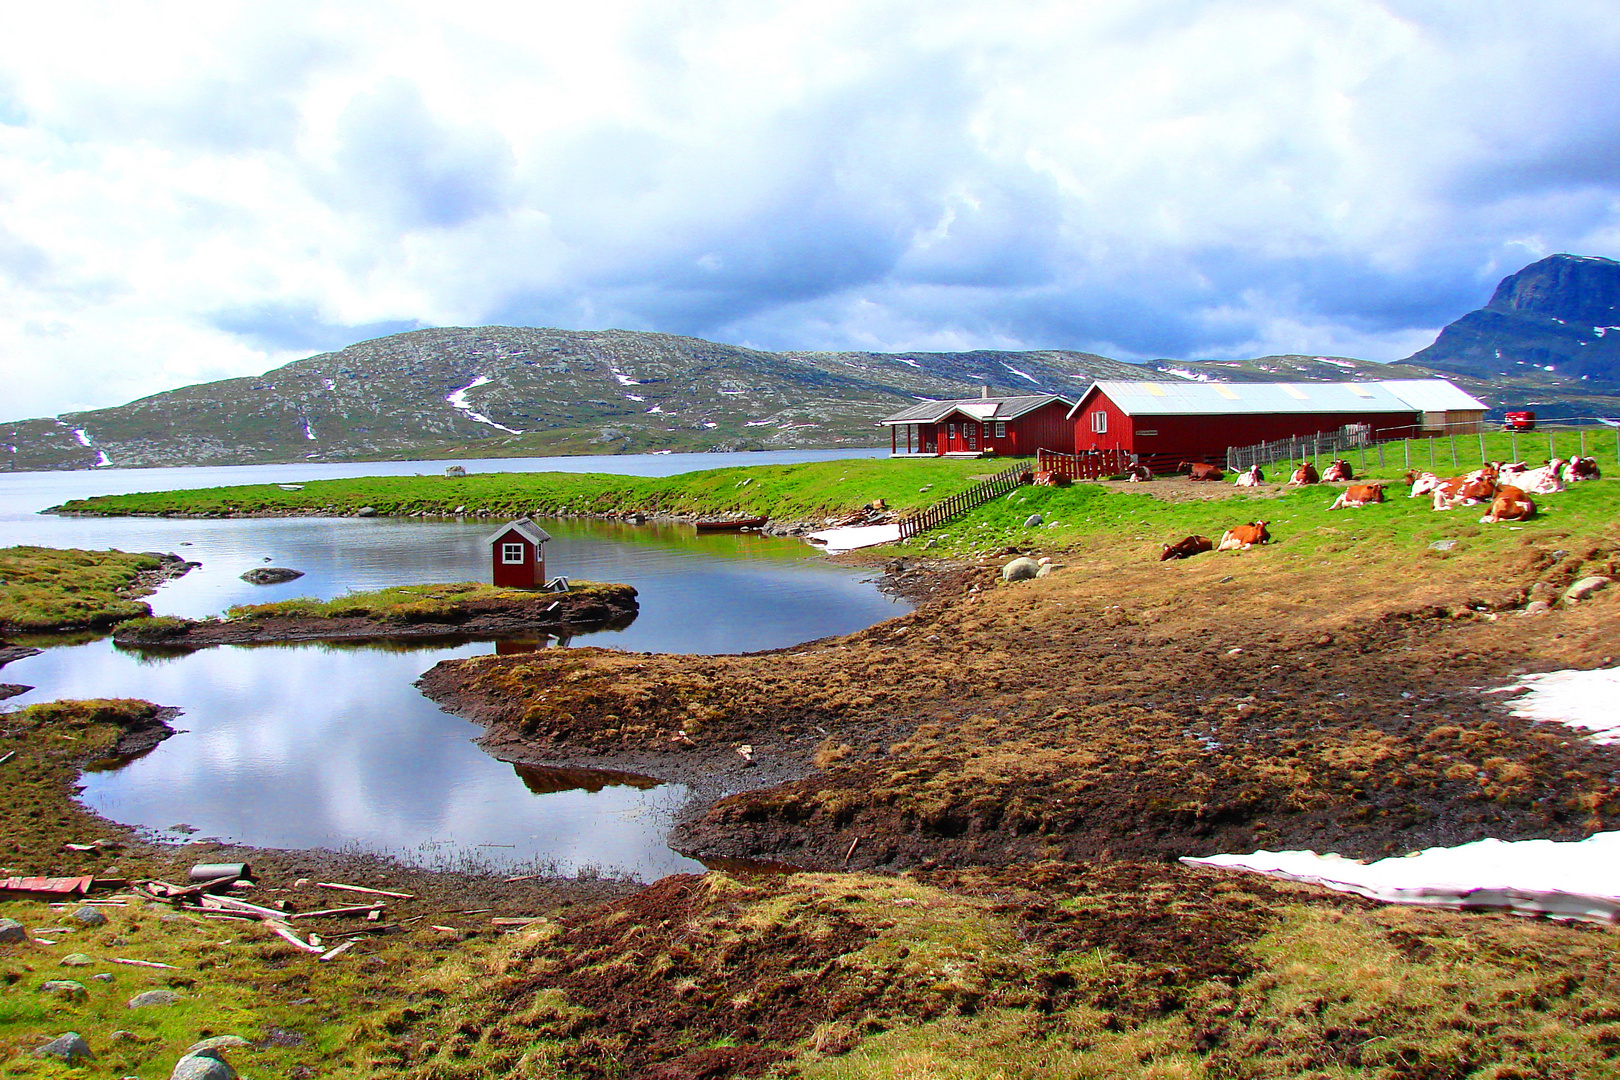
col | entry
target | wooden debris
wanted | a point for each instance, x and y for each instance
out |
(363, 889)
(367, 910)
(333, 954)
(529, 921)
(231, 903)
(853, 844)
(445, 929)
(374, 916)
(282, 930)
(141, 963)
(9, 755)
(41, 888)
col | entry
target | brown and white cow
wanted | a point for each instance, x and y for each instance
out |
(1581, 468)
(1197, 470)
(1250, 477)
(1305, 474)
(1339, 472)
(1542, 481)
(1136, 472)
(1510, 504)
(1186, 548)
(1422, 483)
(1464, 491)
(1359, 495)
(1243, 537)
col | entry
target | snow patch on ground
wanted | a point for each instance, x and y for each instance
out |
(657, 409)
(635, 397)
(458, 401)
(102, 459)
(1186, 373)
(858, 536)
(309, 432)
(1020, 374)
(1564, 879)
(83, 436)
(624, 380)
(331, 384)
(1335, 363)
(903, 360)
(759, 423)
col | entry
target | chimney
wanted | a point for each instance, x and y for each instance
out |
(984, 392)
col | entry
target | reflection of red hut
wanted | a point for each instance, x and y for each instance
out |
(518, 555)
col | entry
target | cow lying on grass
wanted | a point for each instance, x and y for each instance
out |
(1186, 548)
(1243, 537)
(1510, 504)
(1581, 468)
(1359, 495)
(1197, 470)
(1339, 472)
(1305, 474)
(1250, 477)
(1137, 473)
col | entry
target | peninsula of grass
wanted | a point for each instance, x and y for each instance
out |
(45, 589)
(422, 603)
(804, 492)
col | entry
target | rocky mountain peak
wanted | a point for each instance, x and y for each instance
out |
(1579, 289)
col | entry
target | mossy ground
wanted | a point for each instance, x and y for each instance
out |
(44, 589)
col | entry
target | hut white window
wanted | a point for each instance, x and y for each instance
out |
(512, 553)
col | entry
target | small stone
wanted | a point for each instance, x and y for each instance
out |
(271, 575)
(89, 916)
(1020, 569)
(1584, 588)
(76, 959)
(203, 1065)
(1032, 521)
(1537, 607)
(67, 988)
(11, 932)
(70, 1047)
(124, 1036)
(153, 997)
(102, 976)
(366, 511)
(218, 1042)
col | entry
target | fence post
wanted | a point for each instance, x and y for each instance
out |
(1381, 457)
(1552, 451)
(1481, 434)
(1452, 436)
(1514, 435)
(1583, 442)
(1431, 453)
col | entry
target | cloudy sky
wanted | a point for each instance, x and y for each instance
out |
(190, 191)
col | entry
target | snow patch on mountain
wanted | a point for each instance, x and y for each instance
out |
(458, 401)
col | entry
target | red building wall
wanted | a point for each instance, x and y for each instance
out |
(525, 575)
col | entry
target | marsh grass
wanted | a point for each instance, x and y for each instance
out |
(405, 603)
(67, 588)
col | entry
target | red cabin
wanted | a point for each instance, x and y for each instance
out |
(518, 555)
(982, 426)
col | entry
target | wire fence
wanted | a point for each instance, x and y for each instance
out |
(1446, 446)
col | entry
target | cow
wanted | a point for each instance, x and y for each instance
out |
(1541, 481)
(1186, 548)
(1197, 470)
(1136, 472)
(1243, 537)
(1463, 491)
(1510, 504)
(1423, 483)
(1581, 468)
(1305, 474)
(1339, 472)
(1052, 479)
(1359, 495)
(1250, 477)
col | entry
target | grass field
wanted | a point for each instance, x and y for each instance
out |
(65, 588)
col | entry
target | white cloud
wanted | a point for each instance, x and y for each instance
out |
(192, 192)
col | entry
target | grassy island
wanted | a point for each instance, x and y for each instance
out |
(68, 589)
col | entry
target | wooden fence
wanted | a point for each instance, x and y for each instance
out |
(1301, 447)
(960, 503)
(1091, 465)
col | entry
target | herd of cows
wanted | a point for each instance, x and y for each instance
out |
(1505, 486)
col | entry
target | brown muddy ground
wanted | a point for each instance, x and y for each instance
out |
(1143, 711)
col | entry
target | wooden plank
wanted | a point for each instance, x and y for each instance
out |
(363, 889)
(141, 963)
(336, 912)
(333, 954)
(282, 930)
(230, 903)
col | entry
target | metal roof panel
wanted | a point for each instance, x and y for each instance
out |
(1432, 395)
(1221, 399)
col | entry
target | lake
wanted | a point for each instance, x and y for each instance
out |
(327, 746)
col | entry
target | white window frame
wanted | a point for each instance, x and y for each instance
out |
(1099, 423)
(1001, 429)
(512, 555)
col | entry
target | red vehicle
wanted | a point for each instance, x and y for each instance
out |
(1519, 421)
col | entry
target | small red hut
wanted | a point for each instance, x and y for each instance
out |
(517, 555)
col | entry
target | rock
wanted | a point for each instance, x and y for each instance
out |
(89, 916)
(1442, 545)
(218, 1042)
(1032, 521)
(124, 1036)
(11, 932)
(70, 1047)
(366, 511)
(153, 997)
(271, 575)
(67, 988)
(76, 959)
(1537, 607)
(202, 1065)
(102, 976)
(1584, 588)
(1045, 570)
(1020, 569)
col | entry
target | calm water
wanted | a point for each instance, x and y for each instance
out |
(324, 746)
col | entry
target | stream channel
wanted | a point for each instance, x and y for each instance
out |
(332, 746)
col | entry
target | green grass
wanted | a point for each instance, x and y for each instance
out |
(801, 491)
(59, 589)
(403, 603)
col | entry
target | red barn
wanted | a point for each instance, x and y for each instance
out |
(975, 427)
(1164, 423)
(518, 555)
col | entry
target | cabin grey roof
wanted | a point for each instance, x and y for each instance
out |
(1227, 399)
(525, 528)
(1432, 395)
(980, 408)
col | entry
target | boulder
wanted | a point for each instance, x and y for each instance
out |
(1584, 588)
(271, 575)
(86, 915)
(1032, 521)
(366, 511)
(11, 932)
(218, 1042)
(1021, 569)
(1537, 607)
(70, 1047)
(1442, 545)
(202, 1065)
(65, 988)
(76, 959)
(153, 997)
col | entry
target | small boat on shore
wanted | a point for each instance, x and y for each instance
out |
(732, 525)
